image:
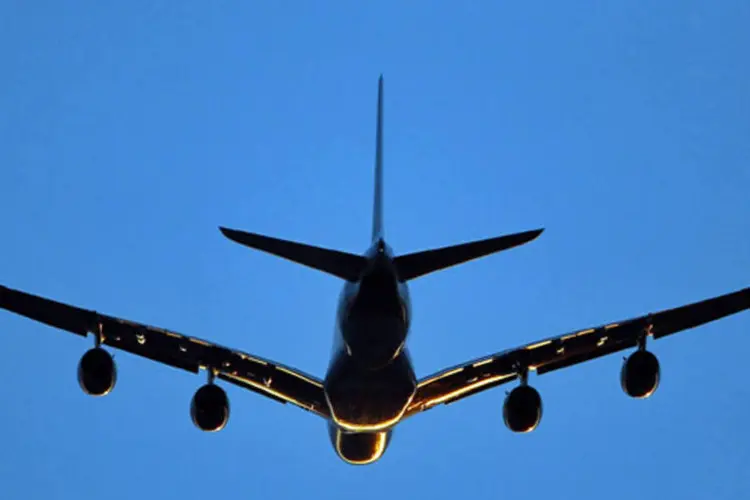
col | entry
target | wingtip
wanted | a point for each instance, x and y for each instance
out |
(534, 233)
(226, 231)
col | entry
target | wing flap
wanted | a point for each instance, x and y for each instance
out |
(584, 355)
(148, 343)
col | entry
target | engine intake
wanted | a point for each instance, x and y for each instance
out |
(640, 374)
(97, 372)
(522, 410)
(209, 408)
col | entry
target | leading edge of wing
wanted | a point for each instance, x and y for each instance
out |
(455, 383)
(266, 377)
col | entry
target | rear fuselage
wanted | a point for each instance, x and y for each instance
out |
(370, 380)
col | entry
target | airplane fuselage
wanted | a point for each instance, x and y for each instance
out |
(370, 380)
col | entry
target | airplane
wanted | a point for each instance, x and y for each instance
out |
(370, 385)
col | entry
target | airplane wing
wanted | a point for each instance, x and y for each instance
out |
(271, 379)
(448, 386)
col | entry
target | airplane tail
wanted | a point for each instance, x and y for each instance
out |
(341, 264)
(377, 206)
(349, 266)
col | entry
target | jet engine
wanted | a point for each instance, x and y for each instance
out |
(522, 410)
(209, 408)
(640, 374)
(97, 372)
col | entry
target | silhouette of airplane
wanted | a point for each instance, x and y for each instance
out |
(370, 385)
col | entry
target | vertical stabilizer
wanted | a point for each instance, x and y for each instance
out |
(377, 209)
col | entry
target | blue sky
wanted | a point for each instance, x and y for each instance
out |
(131, 131)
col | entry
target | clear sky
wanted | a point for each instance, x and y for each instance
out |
(131, 130)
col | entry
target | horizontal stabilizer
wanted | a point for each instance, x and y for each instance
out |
(418, 264)
(344, 265)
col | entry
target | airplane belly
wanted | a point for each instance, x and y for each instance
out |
(369, 400)
(374, 341)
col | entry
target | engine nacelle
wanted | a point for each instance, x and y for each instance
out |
(97, 372)
(522, 410)
(209, 408)
(640, 374)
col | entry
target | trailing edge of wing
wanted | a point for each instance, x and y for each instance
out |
(341, 264)
(418, 264)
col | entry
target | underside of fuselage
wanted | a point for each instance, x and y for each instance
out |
(362, 399)
(359, 448)
(370, 380)
(365, 405)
